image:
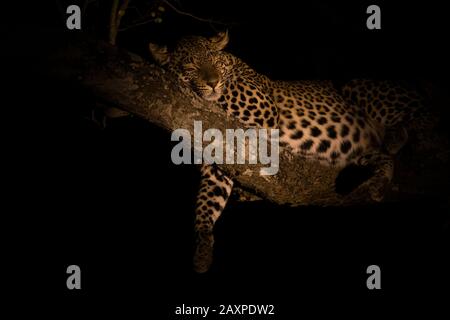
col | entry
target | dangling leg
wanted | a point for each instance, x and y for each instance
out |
(215, 189)
(384, 171)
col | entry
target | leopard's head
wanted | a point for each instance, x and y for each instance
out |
(199, 62)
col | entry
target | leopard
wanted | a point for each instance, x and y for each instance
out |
(360, 123)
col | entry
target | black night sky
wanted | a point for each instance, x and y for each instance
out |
(111, 201)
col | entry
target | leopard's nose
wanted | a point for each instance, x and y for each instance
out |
(212, 82)
(210, 76)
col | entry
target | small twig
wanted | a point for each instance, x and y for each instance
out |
(112, 22)
(121, 12)
(177, 11)
(138, 12)
(136, 24)
(116, 16)
(191, 15)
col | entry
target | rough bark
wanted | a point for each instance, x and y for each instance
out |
(130, 83)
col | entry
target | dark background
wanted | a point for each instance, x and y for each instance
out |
(112, 202)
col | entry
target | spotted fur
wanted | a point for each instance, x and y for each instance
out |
(315, 120)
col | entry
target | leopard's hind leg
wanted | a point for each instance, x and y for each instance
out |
(383, 165)
(394, 139)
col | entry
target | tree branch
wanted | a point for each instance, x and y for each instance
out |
(129, 83)
(117, 12)
(112, 22)
(121, 12)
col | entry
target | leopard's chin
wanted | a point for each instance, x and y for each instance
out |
(213, 96)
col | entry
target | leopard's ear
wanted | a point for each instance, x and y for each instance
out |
(220, 40)
(159, 53)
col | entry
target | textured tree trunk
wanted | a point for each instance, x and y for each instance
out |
(130, 83)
